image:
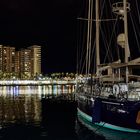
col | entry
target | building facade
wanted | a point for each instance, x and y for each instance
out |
(35, 59)
(7, 61)
(23, 64)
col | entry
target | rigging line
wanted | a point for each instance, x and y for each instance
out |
(82, 70)
(113, 31)
(138, 33)
(78, 56)
(135, 32)
(80, 18)
(109, 44)
(105, 39)
(115, 23)
(93, 50)
(82, 52)
(138, 10)
(90, 36)
(106, 44)
(82, 65)
(112, 14)
(106, 20)
(102, 13)
(82, 57)
(82, 38)
(137, 28)
(78, 46)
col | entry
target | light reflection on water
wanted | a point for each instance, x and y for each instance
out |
(21, 114)
(49, 89)
(23, 102)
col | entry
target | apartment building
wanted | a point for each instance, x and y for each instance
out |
(35, 59)
(25, 63)
(7, 59)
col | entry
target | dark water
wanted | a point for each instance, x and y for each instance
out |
(26, 114)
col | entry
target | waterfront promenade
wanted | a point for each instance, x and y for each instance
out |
(36, 82)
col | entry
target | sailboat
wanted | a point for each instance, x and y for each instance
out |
(109, 99)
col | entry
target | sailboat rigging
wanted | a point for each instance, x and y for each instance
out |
(110, 97)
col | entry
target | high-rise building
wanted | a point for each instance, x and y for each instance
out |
(1, 52)
(25, 63)
(7, 59)
(17, 63)
(35, 59)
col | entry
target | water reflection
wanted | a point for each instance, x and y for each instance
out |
(49, 89)
(21, 114)
(23, 102)
(15, 107)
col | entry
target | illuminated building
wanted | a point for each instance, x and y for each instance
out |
(35, 59)
(17, 63)
(7, 59)
(24, 64)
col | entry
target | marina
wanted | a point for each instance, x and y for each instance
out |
(41, 112)
(70, 70)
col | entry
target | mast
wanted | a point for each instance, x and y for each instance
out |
(121, 9)
(89, 37)
(97, 37)
(88, 33)
(126, 37)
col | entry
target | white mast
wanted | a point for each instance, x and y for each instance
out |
(126, 37)
(88, 33)
(121, 9)
(89, 36)
(97, 37)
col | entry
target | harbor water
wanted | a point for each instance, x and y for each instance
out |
(34, 113)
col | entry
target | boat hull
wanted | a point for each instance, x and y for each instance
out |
(110, 117)
(111, 132)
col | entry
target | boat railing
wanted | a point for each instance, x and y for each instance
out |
(118, 7)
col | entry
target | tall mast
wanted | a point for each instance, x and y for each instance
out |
(121, 9)
(97, 37)
(89, 36)
(88, 33)
(126, 37)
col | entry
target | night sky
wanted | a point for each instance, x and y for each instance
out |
(53, 24)
(49, 23)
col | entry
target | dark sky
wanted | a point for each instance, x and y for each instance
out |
(49, 23)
